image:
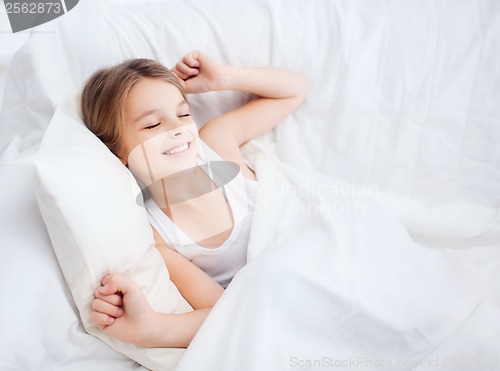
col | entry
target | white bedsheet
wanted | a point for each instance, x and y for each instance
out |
(404, 99)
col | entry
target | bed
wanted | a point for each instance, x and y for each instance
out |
(399, 135)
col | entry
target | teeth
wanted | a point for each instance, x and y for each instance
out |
(178, 149)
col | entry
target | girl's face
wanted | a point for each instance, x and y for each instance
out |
(160, 138)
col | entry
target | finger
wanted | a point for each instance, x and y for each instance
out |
(191, 59)
(101, 320)
(106, 289)
(101, 306)
(110, 284)
(113, 299)
(113, 283)
(185, 69)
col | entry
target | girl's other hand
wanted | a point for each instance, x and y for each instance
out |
(106, 307)
(199, 73)
(121, 310)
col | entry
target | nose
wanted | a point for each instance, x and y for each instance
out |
(175, 133)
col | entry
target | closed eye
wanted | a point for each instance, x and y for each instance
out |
(152, 126)
(185, 115)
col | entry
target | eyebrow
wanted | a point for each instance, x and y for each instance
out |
(147, 113)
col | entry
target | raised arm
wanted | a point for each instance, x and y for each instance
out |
(279, 92)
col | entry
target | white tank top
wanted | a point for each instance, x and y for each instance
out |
(223, 262)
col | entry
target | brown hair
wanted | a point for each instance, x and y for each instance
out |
(105, 94)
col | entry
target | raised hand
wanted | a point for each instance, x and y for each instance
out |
(199, 73)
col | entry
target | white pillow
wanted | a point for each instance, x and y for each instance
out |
(88, 202)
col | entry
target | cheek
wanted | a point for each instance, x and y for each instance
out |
(138, 165)
(192, 130)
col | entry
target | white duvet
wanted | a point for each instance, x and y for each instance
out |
(341, 284)
(403, 108)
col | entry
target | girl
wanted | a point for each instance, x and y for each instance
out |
(140, 111)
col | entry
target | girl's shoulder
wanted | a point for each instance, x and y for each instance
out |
(218, 147)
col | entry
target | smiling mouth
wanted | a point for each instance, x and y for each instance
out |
(179, 150)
